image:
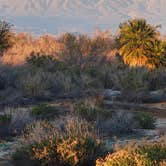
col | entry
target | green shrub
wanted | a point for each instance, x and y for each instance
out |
(44, 111)
(138, 154)
(130, 79)
(74, 145)
(124, 158)
(105, 120)
(119, 124)
(23, 157)
(13, 121)
(39, 60)
(145, 120)
(33, 84)
(5, 119)
(156, 152)
(91, 113)
(156, 79)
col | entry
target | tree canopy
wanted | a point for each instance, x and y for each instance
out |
(6, 36)
(140, 44)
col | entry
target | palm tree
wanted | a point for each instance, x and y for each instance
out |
(137, 41)
(156, 53)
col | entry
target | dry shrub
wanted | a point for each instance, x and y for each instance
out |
(37, 132)
(106, 121)
(124, 158)
(119, 124)
(19, 118)
(100, 44)
(25, 44)
(131, 79)
(69, 142)
(33, 84)
(144, 153)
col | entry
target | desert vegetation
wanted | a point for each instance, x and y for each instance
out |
(76, 99)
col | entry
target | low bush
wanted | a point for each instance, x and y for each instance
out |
(72, 144)
(91, 112)
(40, 61)
(13, 121)
(145, 120)
(156, 152)
(130, 79)
(105, 120)
(44, 111)
(137, 154)
(124, 158)
(118, 124)
(33, 84)
(5, 121)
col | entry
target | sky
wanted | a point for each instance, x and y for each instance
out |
(83, 16)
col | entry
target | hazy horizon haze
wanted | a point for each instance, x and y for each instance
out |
(56, 16)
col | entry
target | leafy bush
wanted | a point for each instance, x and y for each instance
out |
(137, 154)
(78, 145)
(74, 144)
(23, 157)
(39, 60)
(124, 158)
(156, 152)
(44, 111)
(33, 84)
(145, 120)
(5, 121)
(156, 79)
(91, 112)
(118, 124)
(130, 79)
(13, 121)
(105, 120)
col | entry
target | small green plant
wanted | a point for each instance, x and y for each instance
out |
(44, 111)
(154, 151)
(91, 112)
(145, 120)
(5, 119)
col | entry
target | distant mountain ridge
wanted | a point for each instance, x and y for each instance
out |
(56, 7)
(100, 11)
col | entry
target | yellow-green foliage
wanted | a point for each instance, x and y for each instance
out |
(156, 152)
(75, 145)
(142, 154)
(124, 158)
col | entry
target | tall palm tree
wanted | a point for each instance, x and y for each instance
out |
(137, 41)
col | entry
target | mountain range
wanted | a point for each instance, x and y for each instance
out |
(80, 15)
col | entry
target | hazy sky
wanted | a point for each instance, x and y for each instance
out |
(55, 16)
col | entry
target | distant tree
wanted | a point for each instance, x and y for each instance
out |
(139, 44)
(6, 36)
